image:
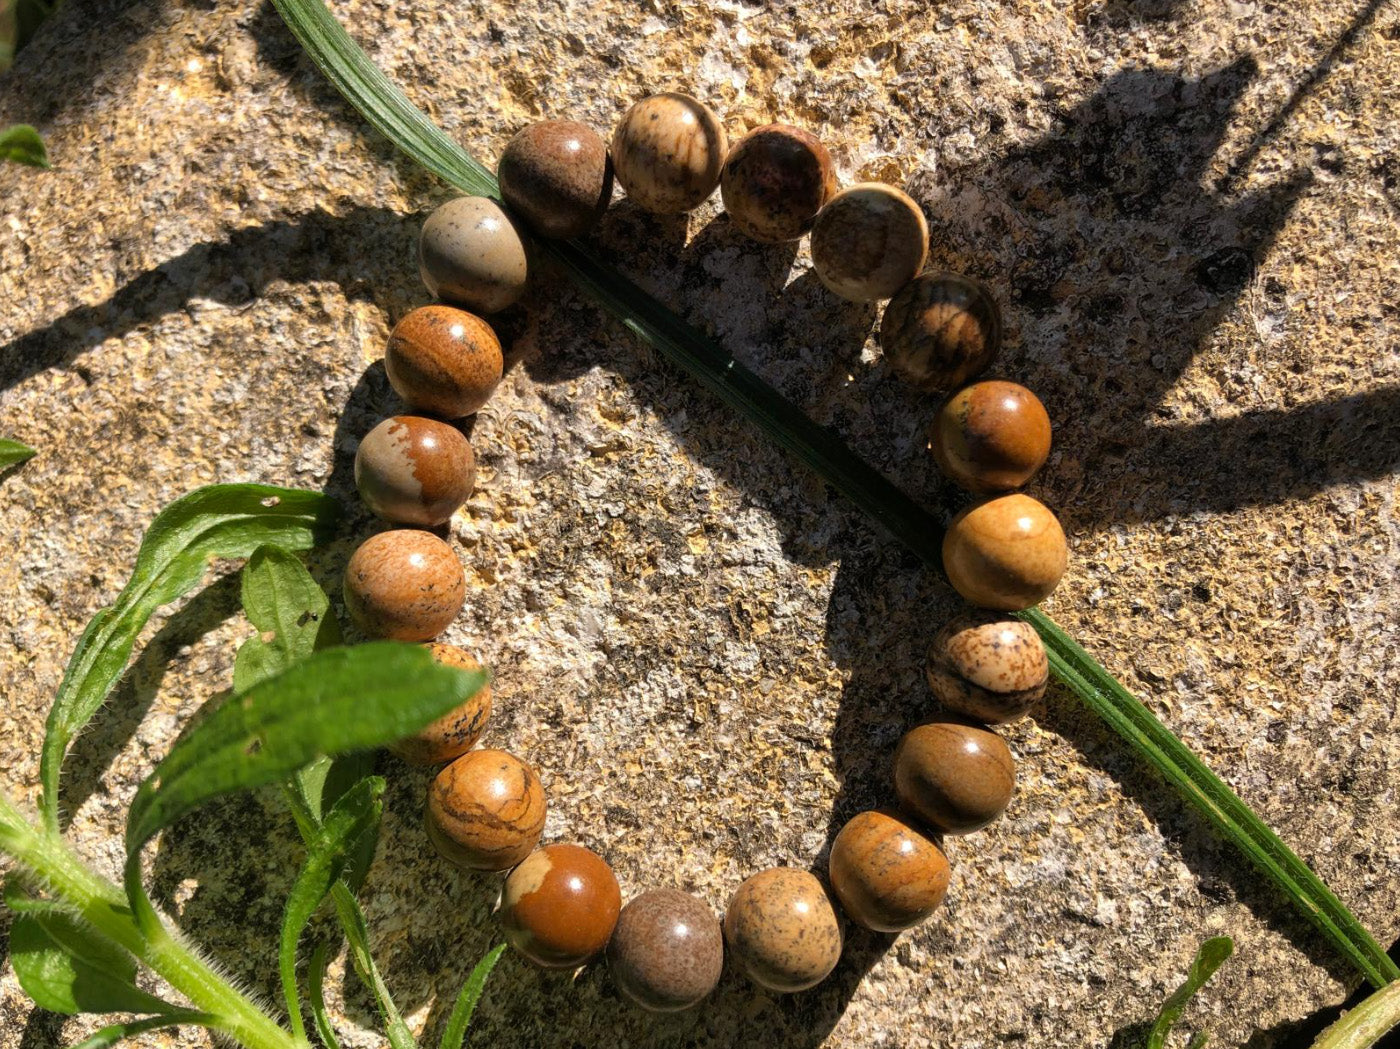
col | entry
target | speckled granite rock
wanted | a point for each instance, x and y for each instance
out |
(1189, 210)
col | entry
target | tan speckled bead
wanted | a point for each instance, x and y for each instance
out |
(471, 252)
(559, 907)
(869, 241)
(782, 930)
(1006, 553)
(987, 666)
(953, 774)
(774, 182)
(456, 732)
(443, 361)
(415, 471)
(667, 153)
(940, 331)
(991, 436)
(888, 875)
(557, 176)
(485, 811)
(404, 585)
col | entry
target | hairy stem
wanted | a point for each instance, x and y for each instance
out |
(1367, 1024)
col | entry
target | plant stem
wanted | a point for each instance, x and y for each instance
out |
(103, 905)
(1367, 1024)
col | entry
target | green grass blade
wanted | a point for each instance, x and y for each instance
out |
(390, 112)
(1210, 957)
(12, 453)
(461, 1017)
(315, 991)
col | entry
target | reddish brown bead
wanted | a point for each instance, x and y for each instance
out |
(443, 361)
(991, 436)
(953, 774)
(557, 176)
(667, 151)
(560, 905)
(455, 733)
(404, 585)
(486, 811)
(988, 666)
(776, 179)
(1006, 553)
(667, 951)
(888, 875)
(415, 471)
(940, 331)
(782, 930)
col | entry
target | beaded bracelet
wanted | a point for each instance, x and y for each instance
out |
(561, 905)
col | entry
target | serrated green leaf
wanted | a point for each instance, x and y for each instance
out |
(21, 143)
(220, 521)
(114, 1033)
(1209, 958)
(291, 612)
(12, 453)
(353, 818)
(315, 980)
(461, 1017)
(68, 968)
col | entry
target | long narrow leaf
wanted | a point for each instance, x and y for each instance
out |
(316, 978)
(220, 521)
(389, 110)
(461, 1017)
(114, 1033)
(352, 920)
(1210, 957)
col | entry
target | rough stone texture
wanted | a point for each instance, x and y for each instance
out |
(1189, 210)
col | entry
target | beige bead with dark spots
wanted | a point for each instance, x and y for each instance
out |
(888, 874)
(940, 331)
(782, 930)
(775, 181)
(404, 585)
(869, 241)
(456, 732)
(987, 666)
(415, 471)
(486, 811)
(667, 153)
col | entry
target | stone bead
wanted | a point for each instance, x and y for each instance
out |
(557, 176)
(869, 241)
(940, 331)
(668, 151)
(953, 774)
(991, 436)
(415, 471)
(987, 666)
(1007, 553)
(560, 905)
(443, 361)
(774, 182)
(782, 930)
(456, 732)
(667, 951)
(404, 585)
(888, 875)
(471, 252)
(485, 811)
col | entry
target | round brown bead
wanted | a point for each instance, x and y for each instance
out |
(667, 153)
(471, 252)
(456, 732)
(415, 471)
(888, 875)
(560, 905)
(774, 182)
(485, 811)
(667, 951)
(953, 775)
(940, 331)
(869, 241)
(782, 930)
(987, 666)
(991, 436)
(557, 176)
(404, 585)
(1006, 553)
(443, 361)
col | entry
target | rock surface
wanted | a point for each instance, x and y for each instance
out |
(1189, 212)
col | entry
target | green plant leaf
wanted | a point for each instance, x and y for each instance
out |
(315, 991)
(461, 1017)
(22, 144)
(1211, 956)
(352, 819)
(12, 453)
(68, 968)
(220, 521)
(114, 1033)
(289, 609)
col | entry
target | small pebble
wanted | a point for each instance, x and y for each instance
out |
(404, 585)
(940, 330)
(869, 241)
(668, 151)
(888, 875)
(782, 930)
(954, 775)
(560, 906)
(667, 951)
(988, 666)
(415, 471)
(557, 176)
(774, 182)
(1006, 553)
(443, 361)
(485, 811)
(456, 732)
(991, 437)
(471, 252)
